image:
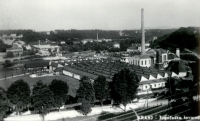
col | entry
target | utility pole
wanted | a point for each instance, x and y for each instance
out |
(147, 97)
(135, 113)
(169, 96)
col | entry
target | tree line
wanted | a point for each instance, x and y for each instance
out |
(43, 98)
(69, 36)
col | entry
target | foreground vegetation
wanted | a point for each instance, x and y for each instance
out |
(43, 97)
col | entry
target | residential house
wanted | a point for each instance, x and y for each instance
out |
(107, 40)
(76, 42)
(13, 36)
(62, 42)
(47, 46)
(132, 48)
(86, 40)
(43, 53)
(36, 67)
(116, 45)
(16, 49)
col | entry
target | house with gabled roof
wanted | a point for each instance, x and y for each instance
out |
(116, 45)
(36, 67)
(132, 48)
(16, 49)
(46, 46)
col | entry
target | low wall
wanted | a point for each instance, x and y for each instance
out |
(143, 100)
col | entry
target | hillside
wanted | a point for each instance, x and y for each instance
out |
(181, 38)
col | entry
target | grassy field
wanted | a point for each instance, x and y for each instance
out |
(72, 83)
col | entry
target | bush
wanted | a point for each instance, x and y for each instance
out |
(10, 54)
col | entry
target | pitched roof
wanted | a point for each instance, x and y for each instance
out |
(161, 51)
(152, 81)
(150, 52)
(59, 69)
(82, 73)
(108, 69)
(33, 64)
(53, 64)
(133, 47)
(116, 42)
(143, 56)
(54, 44)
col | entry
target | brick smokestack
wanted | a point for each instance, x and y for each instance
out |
(143, 34)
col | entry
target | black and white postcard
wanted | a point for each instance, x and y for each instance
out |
(99, 60)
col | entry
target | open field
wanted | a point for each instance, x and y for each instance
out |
(72, 83)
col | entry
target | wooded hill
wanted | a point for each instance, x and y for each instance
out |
(182, 38)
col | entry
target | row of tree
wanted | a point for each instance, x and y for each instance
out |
(68, 35)
(101, 46)
(42, 98)
(122, 89)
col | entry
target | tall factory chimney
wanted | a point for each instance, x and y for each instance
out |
(143, 34)
(97, 35)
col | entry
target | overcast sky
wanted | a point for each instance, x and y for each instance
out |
(46, 15)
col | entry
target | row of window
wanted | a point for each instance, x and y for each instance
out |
(143, 62)
(163, 84)
(164, 58)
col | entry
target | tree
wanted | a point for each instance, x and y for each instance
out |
(101, 88)
(10, 54)
(4, 104)
(42, 98)
(174, 67)
(124, 87)
(86, 94)
(19, 94)
(7, 63)
(170, 85)
(60, 90)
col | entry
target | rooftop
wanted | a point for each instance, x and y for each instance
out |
(133, 47)
(108, 69)
(143, 56)
(33, 64)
